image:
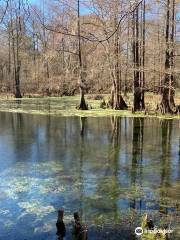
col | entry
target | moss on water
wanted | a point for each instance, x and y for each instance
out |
(66, 107)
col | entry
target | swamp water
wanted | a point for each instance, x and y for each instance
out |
(112, 170)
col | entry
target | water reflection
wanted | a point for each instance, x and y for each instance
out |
(166, 128)
(110, 169)
(114, 164)
(137, 158)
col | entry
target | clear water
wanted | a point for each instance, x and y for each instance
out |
(112, 170)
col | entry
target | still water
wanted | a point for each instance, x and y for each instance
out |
(112, 170)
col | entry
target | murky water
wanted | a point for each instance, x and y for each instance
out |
(113, 170)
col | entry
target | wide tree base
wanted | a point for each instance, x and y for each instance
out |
(122, 105)
(165, 108)
(82, 106)
(18, 94)
(119, 105)
(139, 104)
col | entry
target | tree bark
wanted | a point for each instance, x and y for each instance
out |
(17, 81)
(139, 60)
(15, 36)
(117, 101)
(167, 104)
(127, 62)
(143, 55)
(137, 90)
(82, 105)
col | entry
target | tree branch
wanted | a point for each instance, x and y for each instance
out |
(94, 39)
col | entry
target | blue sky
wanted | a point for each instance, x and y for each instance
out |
(83, 10)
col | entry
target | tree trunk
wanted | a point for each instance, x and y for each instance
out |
(167, 104)
(137, 90)
(82, 105)
(9, 52)
(143, 55)
(118, 102)
(17, 81)
(127, 63)
(139, 61)
(15, 36)
(15, 51)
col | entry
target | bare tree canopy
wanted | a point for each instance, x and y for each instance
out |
(92, 47)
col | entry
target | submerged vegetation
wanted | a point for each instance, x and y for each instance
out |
(131, 169)
(101, 81)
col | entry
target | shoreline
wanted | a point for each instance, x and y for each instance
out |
(66, 107)
(90, 113)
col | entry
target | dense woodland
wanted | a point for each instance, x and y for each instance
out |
(115, 47)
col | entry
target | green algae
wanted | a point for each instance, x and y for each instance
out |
(66, 106)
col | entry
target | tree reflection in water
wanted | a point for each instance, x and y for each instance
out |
(112, 170)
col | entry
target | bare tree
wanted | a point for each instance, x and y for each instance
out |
(16, 29)
(139, 59)
(82, 87)
(167, 104)
(117, 101)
